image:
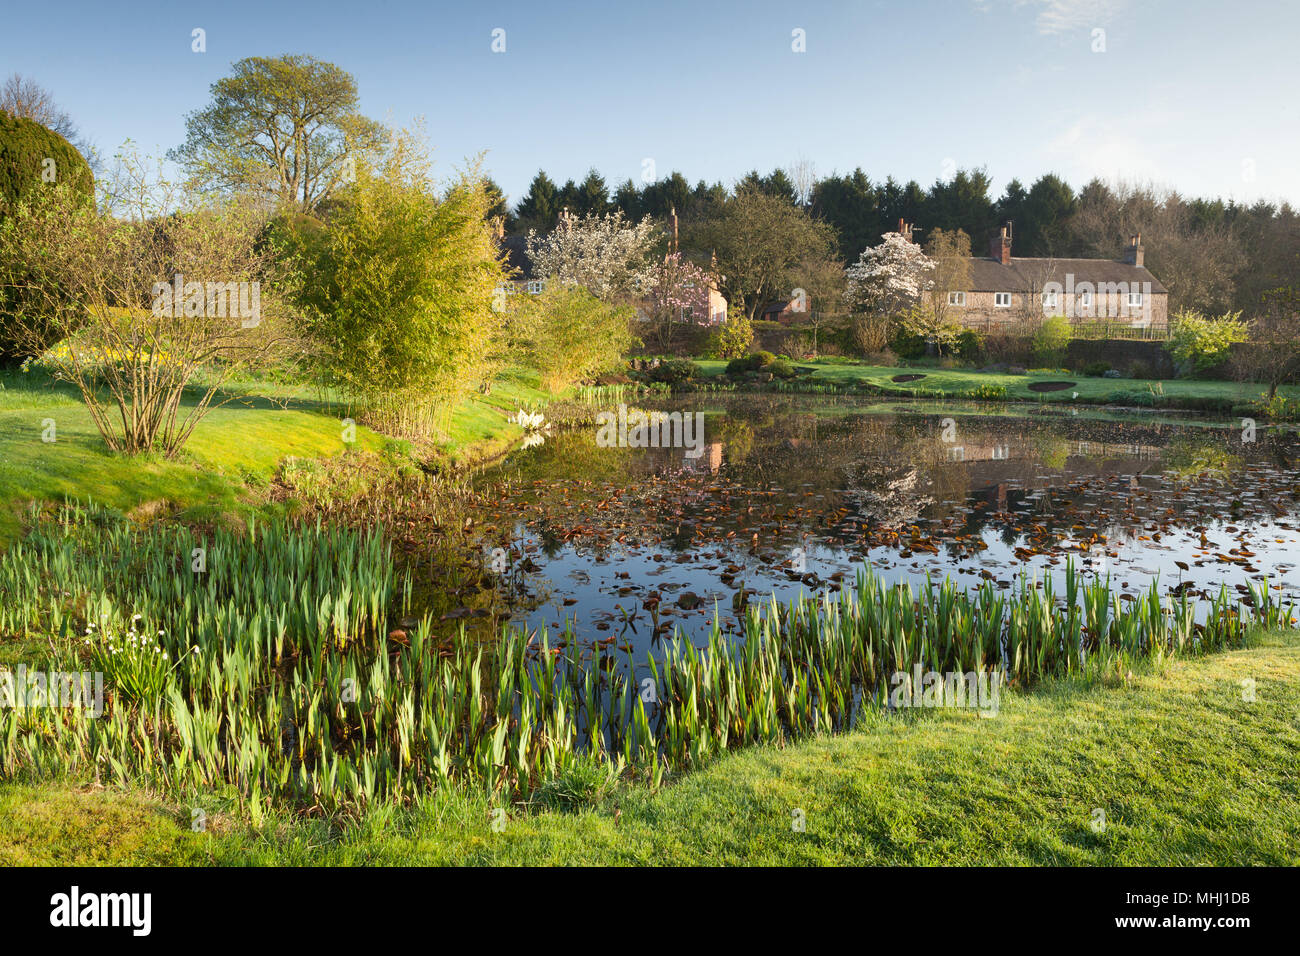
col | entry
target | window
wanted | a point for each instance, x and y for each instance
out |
(1049, 300)
(535, 286)
(1135, 300)
(956, 298)
(1002, 300)
(1085, 299)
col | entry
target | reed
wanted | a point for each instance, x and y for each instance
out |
(275, 670)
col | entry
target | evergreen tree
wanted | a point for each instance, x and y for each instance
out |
(540, 207)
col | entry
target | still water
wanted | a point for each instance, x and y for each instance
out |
(791, 494)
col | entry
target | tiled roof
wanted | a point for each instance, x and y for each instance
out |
(989, 275)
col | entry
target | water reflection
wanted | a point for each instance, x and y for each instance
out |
(794, 494)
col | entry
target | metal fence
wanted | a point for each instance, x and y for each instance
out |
(1102, 329)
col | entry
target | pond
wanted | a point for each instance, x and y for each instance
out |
(791, 494)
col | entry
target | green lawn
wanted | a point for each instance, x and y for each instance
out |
(958, 381)
(1185, 770)
(232, 454)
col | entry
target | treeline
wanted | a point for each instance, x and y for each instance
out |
(1211, 254)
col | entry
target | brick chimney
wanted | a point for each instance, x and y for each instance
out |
(1000, 246)
(1133, 252)
(905, 230)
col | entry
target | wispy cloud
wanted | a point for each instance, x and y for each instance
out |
(1066, 16)
(1096, 146)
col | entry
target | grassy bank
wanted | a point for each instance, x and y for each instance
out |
(1185, 770)
(280, 677)
(228, 463)
(956, 383)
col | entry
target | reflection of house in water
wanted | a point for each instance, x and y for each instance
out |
(710, 460)
(994, 469)
(1025, 459)
(983, 453)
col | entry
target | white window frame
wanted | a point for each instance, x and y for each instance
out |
(535, 286)
(1051, 300)
(1135, 300)
(956, 298)
(1001, 300)
(1085, 299)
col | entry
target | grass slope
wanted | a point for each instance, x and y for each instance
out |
(234, 451)
(1186, 771)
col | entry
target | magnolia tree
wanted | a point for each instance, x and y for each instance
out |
(889, 278)
(678, 292)
(604, 254)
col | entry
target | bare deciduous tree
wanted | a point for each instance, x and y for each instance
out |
(1272, 355)
(1197, 263)
(22, 96)
(148, 301)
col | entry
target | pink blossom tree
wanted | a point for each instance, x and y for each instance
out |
(678, 291)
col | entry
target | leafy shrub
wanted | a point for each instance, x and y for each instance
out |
(1135, 397)
(572, 335)
(754, 362)
(674, 370)
(1050, 340)
(905, 344)
(25, 147)
(734, 337)
(1199, 342)
(970, 346)
(780, 368)
(988, 392)
(1096, 369)
(1279, 408)
(399, 294)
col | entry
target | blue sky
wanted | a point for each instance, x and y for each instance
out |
(1190, 94)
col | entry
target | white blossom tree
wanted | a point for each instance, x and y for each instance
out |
(890, 277)
(605, 254)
